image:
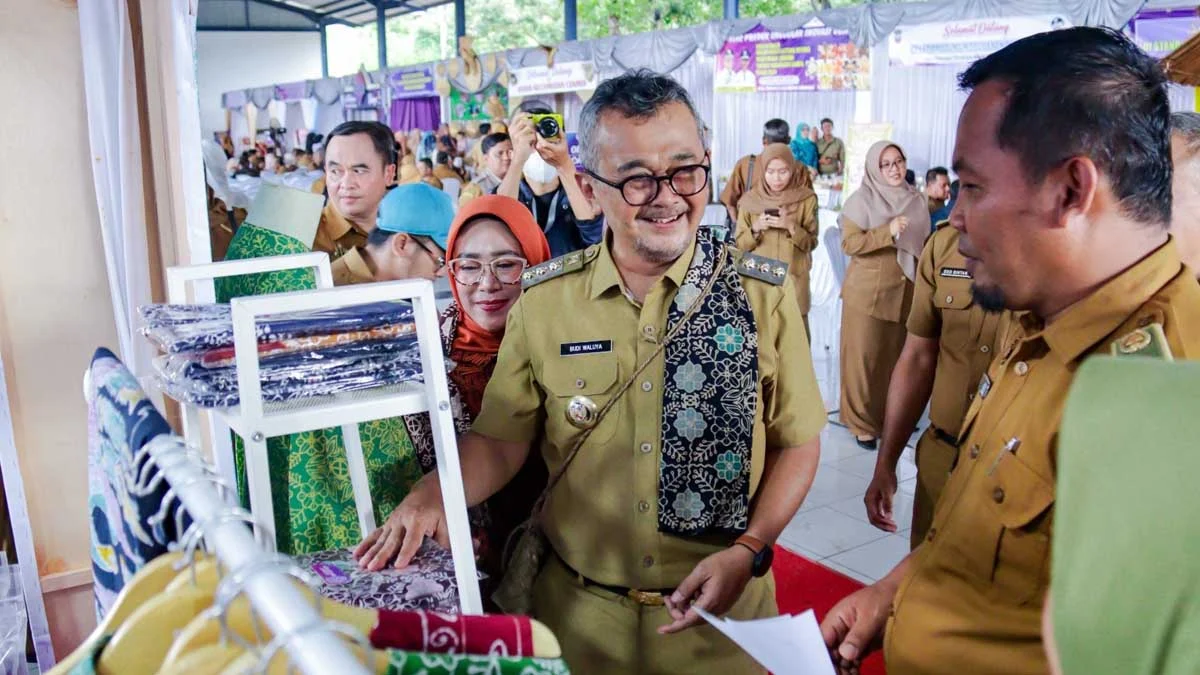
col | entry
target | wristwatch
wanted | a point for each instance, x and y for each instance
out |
(763, 553)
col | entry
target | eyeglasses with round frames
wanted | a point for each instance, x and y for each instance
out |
(469, 271)
(685, 181)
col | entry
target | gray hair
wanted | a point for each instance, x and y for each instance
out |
(1187, 125)
(637, 95)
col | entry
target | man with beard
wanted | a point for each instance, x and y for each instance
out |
(684, 374)
(1064, 155)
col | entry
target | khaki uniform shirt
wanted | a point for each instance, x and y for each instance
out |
(443, 173)
(343, 239)
(874, 284)
(794, 249)
(968, 337)
(972, 601)
(935, 205)
(832, 149)
(739, 183)
(484, 184)
(602, 518)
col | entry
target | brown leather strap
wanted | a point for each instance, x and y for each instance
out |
(586, 433)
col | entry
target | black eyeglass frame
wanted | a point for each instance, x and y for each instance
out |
(669, 177)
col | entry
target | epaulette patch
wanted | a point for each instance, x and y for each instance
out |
(571, 262)
(1148, 340)
(764, 269)
(940, 224)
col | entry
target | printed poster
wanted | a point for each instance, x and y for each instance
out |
(556, 79)
(489, 104)
(411, 83)
(1159, 33)
(859, 140)
(813, 58)
(959, 42)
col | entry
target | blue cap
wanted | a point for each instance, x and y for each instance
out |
(418, 209)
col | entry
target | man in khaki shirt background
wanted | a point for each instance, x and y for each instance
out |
(621, 582)
(951, 341)
(360, 164)
(1064, 155)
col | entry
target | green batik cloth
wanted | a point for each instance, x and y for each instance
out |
(416, 663)
(310, 480)
(1124, 579)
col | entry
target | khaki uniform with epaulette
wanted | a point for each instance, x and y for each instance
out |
(972, 599)
(576, 332)
(968, 339)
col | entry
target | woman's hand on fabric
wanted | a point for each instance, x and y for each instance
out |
(420, 515)
(854, 627)
(714, 586)
(898, 225)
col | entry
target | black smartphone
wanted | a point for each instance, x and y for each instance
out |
(774, 213)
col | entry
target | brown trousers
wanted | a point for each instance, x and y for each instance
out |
(870, 349)
(935, 458)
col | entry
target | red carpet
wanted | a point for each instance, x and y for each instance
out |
(801, 584)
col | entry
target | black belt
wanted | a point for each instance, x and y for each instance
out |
(651, 598)
(944, 436)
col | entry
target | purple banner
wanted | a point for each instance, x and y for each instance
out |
(292, 91)
(573, 149)
(814, 58)
(411, 83)
(1159, 33)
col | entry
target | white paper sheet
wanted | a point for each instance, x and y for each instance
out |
(784, 645)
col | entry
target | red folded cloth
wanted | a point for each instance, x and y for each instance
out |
(498, 635)
(222, 357)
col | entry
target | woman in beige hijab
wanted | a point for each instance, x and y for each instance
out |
(778, 218)
(884, 226)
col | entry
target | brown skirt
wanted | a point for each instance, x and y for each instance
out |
(870, 349)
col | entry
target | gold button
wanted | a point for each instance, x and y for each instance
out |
(580, 384)
(1022, 368)
(646, 386)
(929, 537)
(998, 495)
(974, 451)
(985, 349)
(643, 506)
(971, 396)
(648, 561)
(646, 448)
(648, 330)
(949, 298)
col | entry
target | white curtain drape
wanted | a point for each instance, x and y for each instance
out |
(114, 137)
(328, 116)
(922, 103)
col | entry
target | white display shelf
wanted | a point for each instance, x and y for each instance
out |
(257, 421)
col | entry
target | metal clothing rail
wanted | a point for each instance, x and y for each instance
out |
(272, 593)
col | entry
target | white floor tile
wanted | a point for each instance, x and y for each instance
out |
(875, 559)
(831, 485)
(846, 571)
(909, 486)
(902, 505)
(827, 532)
(837, 445)
(864, 465)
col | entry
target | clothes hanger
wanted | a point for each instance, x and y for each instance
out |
(141, 644)
(274, 661)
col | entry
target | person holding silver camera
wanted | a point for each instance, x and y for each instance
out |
(547, 183)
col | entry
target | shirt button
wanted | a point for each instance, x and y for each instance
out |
(643, 506)
(648, 331)
(648, 561)
(646, 386)
(580, 384)
(1021, 368)
(985, 349)
(932, 531)
(974, 451)
(949, 299)
(998, 495)
(646, 448)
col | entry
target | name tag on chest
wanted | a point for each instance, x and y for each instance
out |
(581, 348)
(955, 273)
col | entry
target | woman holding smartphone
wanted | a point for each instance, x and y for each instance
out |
(778, 217)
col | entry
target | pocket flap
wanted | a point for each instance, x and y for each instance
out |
(1023, 494)
(580, 375)
(956, 296)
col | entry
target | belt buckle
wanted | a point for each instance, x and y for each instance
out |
(647, 598)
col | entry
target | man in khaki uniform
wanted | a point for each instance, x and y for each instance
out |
(951, 341)
(742, 179)
(360, 164)
(678, 494)
(1080, 245)
(831, 151)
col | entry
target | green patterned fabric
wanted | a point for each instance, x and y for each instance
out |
(310, 480)
(415, 663)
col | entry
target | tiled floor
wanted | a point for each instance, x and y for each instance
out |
(832, 527)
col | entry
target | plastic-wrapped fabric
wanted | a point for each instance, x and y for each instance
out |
(222, 357)
(289, 383)
(188, 328)
(177, 367)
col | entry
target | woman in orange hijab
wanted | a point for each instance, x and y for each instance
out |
(492, 241)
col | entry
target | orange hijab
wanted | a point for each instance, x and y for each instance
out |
(474, 349)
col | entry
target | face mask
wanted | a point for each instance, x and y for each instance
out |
(536, 170)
